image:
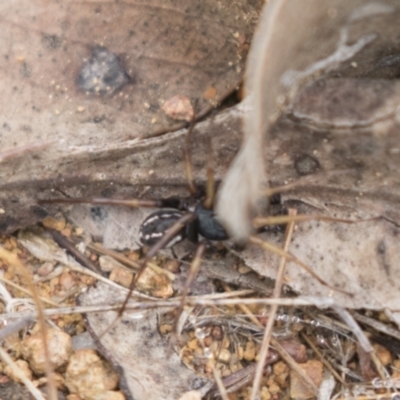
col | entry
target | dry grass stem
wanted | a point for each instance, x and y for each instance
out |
(323, 359)
(272, 313)
(11, 258)
(17, 371)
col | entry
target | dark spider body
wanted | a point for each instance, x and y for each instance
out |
(154, 227)
(157, 224)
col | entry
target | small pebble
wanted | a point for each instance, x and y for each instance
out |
(265, 394)
(383, 354)
(296, 349)
(281, 372)
(274, 388)
(45, 268)
(73, 397)
(66, 281)
(210, 93)
(58, 380)
(59, 345)
(244, 269)
(23, 366)
(216, 333)
(224, 356)
(134, 255)
(250, 352)
(156, 284)
(54, 223)
(66, 232)
(89, 376)
(298, 389)
(121, 276)
(172, 266)
(78, 231)
(107, 263)
(179, 107)
(192, 395)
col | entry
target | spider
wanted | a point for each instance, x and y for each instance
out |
(178, 219)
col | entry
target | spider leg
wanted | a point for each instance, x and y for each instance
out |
(188, 160)
(160, 244)
(210, 187)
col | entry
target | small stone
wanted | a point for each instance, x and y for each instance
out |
(274, 388)
(73, 397)
(165, 328)
(158, 285)
(121, 276)
(108, 395)
(244, 269)
(134, 255)
(179, 107)
(250, 352)
(281, 372)
(383, 354)
(298, 389)
(172, 266)
(107, 263)
(67, 232)
(23, 366)
(224, 356)
(89, 376)
(45, 268)
(216, 333)
(66, 281)
(78, 231)
(210, 93)
(59, 345)
(265, 394)
(193, 344)
(192, 395)
(58, 380)
(296, 349)
(54, 223)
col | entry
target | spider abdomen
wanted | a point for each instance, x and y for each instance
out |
(157, 224)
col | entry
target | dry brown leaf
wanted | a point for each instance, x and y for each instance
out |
(89, 80)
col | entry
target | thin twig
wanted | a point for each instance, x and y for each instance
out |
(323, 359)
(67, 245)
(13, 259)
(98, 248)
(190, 301)
(271, 320)
(21, 376)
(222, 390)
(23, 290)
